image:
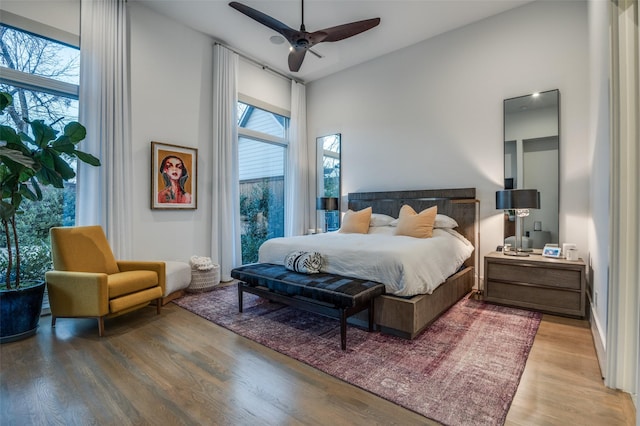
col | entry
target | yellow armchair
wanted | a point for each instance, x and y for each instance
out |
(87, 280)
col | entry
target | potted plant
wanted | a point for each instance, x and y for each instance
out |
(26, 163)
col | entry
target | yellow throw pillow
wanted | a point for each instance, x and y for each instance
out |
(416, 225)
(356, 222)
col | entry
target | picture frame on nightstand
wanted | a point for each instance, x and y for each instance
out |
(550, 251)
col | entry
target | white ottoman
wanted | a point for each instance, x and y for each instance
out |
(178, 278)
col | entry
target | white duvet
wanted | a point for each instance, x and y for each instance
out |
(406, 265)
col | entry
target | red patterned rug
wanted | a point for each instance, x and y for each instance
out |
(463, 370)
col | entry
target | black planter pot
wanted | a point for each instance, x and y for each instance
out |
(20, 312)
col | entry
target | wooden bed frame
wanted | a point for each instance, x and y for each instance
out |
(408, 317)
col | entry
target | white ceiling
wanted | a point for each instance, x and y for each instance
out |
(403, 23)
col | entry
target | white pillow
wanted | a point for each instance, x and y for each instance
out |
(378, 219)
(442, 221)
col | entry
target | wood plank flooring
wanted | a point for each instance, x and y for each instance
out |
(178, 368)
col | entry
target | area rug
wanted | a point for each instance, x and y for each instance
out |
(463, 370)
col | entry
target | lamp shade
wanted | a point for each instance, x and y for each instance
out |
(517, 199)
(327, 203)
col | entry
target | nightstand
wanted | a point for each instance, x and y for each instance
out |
(555, 286)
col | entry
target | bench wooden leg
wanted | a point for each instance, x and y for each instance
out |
(371, 311)
(240, 297)
(343, 329)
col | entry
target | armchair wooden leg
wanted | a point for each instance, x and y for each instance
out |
(53, 321)
(158, 305)
(100, 326)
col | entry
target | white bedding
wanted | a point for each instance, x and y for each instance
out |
(407, 266)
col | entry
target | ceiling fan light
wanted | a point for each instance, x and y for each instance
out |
(276, 39)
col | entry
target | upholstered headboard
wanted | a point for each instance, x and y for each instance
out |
(458, 203)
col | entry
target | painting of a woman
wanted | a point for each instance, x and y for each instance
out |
(174, 177)
(175, 174)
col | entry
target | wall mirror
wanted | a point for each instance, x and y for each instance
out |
(531, 161)
(328, 182)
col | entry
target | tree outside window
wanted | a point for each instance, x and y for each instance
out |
(262, 148)
(42, 76)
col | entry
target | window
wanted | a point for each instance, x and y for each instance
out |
(42, 75)
(262, 153)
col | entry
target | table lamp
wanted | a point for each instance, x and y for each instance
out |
(327, 204)
(520, 200)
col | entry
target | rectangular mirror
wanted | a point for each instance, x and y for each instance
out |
(328, 182)
(531, 161)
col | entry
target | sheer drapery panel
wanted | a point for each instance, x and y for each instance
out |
(105, 193)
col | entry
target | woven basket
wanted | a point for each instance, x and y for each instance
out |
(202, 281)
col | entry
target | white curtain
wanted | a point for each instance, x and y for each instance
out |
(225, 238)
(297, 211)
(104, 193)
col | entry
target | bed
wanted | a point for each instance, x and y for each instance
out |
(419, 288)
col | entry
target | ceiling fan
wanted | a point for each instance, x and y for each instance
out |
(301, 41)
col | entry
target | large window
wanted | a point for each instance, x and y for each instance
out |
(42, 76)
(262, 150)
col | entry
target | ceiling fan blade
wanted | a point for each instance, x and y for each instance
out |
(301, 41)
(348, 30)
(296, 56)
(288, 32)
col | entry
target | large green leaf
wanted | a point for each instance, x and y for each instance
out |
(48, 176)
(27, 193)
(45, 158)
(5, 100)
(7, 210)
(88, 158)
(9, 135)
(7, 155)
(75, 131)
(64, 144)
(62, 168)
(43, 133)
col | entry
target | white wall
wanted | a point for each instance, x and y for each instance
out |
(598, 227)
(171, 91)
(61, 14)
(430, 115)
(171, 102)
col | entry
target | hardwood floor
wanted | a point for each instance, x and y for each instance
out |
(178, 368)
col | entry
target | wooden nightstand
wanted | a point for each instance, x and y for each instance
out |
(535, 282)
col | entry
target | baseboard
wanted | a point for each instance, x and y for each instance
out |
(598, 339)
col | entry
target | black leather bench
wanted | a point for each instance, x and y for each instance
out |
(322, 293)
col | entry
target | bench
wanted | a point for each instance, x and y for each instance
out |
(326, 294)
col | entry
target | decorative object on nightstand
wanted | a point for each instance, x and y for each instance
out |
(552, 250)
(520, 200)
(326, 204)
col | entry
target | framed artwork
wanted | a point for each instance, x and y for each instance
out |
(174, 176)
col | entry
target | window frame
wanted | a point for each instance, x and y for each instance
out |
(37, 82)
(260, 137)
